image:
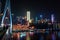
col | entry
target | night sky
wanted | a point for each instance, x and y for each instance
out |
(37, 7)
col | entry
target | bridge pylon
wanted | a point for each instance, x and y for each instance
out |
(7, 16)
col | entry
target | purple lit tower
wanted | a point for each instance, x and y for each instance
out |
(52, 18)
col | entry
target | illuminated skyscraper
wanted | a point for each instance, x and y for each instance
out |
(28, 15)
(52, 18)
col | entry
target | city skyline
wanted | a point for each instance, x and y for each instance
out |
(36, 7)
(29, 20)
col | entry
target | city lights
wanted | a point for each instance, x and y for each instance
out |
(30, 21)
(37, 24)
(22, 34)
(2, 24)
(41, 16)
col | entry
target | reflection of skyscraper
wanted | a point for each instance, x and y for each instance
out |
(28, 15)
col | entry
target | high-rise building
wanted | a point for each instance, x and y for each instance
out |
(28, 15)
(52, 18)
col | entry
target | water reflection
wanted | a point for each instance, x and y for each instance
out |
(38, 36)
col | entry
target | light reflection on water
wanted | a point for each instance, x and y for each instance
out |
(39, 36)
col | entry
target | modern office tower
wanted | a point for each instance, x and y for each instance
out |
(28, 15)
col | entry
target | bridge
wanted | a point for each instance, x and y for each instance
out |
(6, 27)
